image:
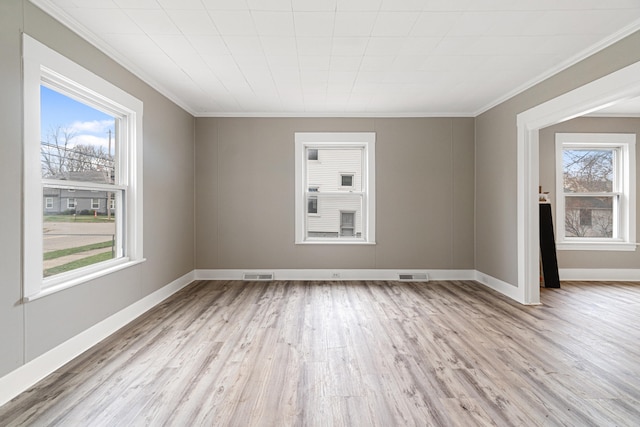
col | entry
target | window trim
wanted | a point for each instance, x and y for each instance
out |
(362, 140)
(95, 202)
(48, 203)
(626, 188)
(42, 65)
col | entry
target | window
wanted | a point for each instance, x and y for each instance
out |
(595, 184)
(312, 201)
(48, 203)
(83, 138)
(112, 203)
(334, 215)
(346, 180)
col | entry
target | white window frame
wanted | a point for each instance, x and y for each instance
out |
(624, 238)
(48, 203)
(72, 203)
(95, 204)
(360, 140)
(41, 65)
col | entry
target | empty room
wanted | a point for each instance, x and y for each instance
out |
(319, 213)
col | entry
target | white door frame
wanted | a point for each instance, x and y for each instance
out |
(618, 86)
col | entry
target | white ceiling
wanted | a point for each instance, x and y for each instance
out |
(345, 57)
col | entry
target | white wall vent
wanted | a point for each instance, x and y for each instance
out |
(257, 276)
(413, 277)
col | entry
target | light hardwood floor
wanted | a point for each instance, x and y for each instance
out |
(356, 354)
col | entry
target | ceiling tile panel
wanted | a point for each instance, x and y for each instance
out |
(270, 23)
(272, 5)
(314, 24)
(181, 4)
(348, 24)
(208, 45)
(314, 45)
(244, 45)
(152, 21)
(279, 46)
(192, 21)
(233, 23)
(137, 4)
(314, 5)
(432, 24)
(225, 4)
(394, 23)
(398, 5)
(105, 21)
(349, 46)
(359, 5)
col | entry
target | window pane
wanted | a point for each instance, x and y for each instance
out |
(312, 205)
(337, 165)
(80, 236)
(77, 141)
(312, 154)
(338, 215)
(347, 180)
(588, 216)
(588, 170)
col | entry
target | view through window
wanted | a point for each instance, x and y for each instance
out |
(595, 191)
(77, 158)
(335, 187)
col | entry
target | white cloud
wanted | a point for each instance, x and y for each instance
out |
(94, 126)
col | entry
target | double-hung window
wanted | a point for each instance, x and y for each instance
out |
(83, 142)
(334, 206)
(595, 186)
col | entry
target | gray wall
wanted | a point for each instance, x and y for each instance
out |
(28, 330)
(496, 175)
(586, 259)
(245, 195)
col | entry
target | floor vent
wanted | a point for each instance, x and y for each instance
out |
(257, 276)
(413, 277)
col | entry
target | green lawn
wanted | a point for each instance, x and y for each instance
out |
(70, 251)
(77, 218)
(78, 264)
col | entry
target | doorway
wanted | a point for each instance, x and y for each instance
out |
(621, 85)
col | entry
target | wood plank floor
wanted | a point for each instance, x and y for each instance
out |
(356, 354)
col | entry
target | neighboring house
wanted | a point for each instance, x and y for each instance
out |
(334, 174)
(591, 219)
(70, 201)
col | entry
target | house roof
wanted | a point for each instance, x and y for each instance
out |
(346, 57)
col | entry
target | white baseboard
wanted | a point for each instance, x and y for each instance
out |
(30, 373)
(498, 285)
(600, 274)
(335, 274)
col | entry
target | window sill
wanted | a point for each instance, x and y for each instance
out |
(596, 246)
(335, 242)
(74, 281)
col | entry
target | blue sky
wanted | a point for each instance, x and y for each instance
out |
(90, 125)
